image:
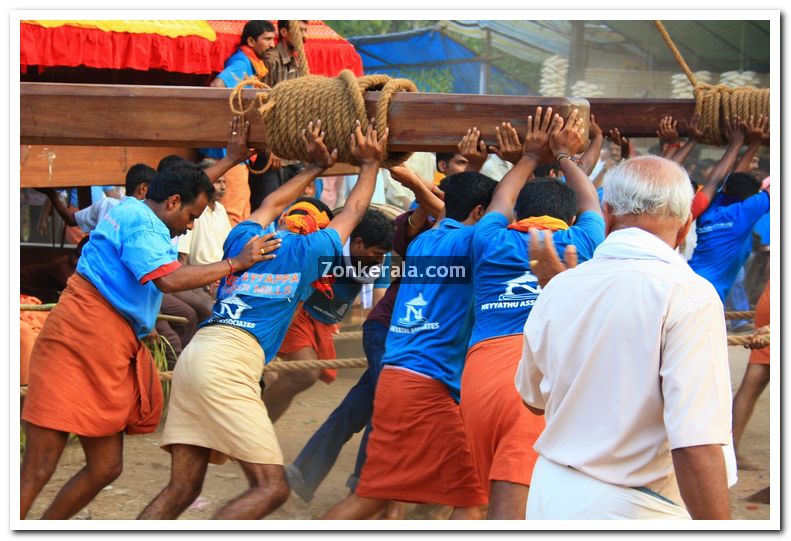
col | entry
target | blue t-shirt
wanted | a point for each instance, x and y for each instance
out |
(237, 68)
(432, 319)
(763, 229)
(505, 289)
(344, 291)
(263, 299)
(128, 243)
(722, 246)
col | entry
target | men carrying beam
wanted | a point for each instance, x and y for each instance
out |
(500, 430)
(216, 409)
(97, 392)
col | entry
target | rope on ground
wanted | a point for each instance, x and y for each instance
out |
(734, 340)
(290, 105)
(349, 335)
(746, 314)
(50, 306)
(718, 103)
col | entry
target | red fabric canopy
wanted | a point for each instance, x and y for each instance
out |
(72, 46)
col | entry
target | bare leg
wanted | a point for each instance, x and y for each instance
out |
(466, 513)
(279, 395)
(354, 507)
(268, 491)
(43, 448)
(507, 501)
(104, 461)
(394, 511)
(187, 471)
(756, 377)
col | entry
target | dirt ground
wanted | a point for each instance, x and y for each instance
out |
(147, 468)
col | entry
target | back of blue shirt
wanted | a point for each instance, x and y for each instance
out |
(505, 289)
(722, 246)
(128, 243)
(263, 299)
(432, 319)
(344, 292)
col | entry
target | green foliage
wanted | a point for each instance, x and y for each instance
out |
(158, 348)
(528, 73)
(349, 29)
(429, 79)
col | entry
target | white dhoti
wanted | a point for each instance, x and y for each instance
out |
(563, 493)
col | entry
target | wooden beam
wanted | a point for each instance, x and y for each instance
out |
(639, 118)
(62, 166)
(127, 115)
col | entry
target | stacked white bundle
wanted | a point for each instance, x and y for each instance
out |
(681, 88)
(586, 89)
(739, 78)
(554, 73)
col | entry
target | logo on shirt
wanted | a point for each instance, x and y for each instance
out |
(520, 292)
(233, 306)
(524, 287)
(413, 319)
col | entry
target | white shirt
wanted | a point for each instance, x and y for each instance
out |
(627, 355)
(203, 244)
(89, 217)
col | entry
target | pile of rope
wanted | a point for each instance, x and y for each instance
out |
(716, 104)
(339, 102)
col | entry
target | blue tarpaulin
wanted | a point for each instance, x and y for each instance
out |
(434, 61)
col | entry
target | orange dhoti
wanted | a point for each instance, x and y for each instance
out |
(417, 451)
(30, 324)
(89, 373)
(500, 428)
(306, 332)
(761, 356)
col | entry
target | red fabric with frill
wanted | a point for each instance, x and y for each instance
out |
(73, 46)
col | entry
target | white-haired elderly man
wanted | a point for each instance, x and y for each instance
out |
(626, 356)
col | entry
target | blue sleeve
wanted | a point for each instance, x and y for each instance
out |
(586, 234)
(485, 229)
(384, 280)
(321, 245)
(238, 68)
(753, 208)
(239, 236)
(143, 252)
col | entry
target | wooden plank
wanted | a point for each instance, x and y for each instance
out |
(58, 166)
(127, 115)
(639, 118)
(62, 166)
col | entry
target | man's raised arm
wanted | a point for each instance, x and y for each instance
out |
(319, 159)
(534, 150)
(369, 150)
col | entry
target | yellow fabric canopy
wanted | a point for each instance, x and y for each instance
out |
(171, 29)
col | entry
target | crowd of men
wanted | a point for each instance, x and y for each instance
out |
(577, 370)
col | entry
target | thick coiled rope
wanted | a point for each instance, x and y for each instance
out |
(339, 102)
(716, 104)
